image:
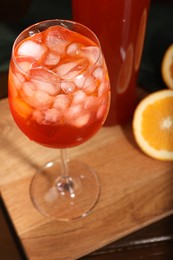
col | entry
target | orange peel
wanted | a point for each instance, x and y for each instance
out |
(167, 67)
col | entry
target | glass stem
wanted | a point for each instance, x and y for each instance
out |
(64, 164)
(65, 185)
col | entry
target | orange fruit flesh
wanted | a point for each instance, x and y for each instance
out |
(158, 129)
(153, 125)
(23, 109)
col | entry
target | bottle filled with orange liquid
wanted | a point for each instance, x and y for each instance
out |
(120, 26)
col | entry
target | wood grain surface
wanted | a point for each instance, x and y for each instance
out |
(135, 191)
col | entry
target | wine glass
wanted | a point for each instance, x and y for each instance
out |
(59, 96)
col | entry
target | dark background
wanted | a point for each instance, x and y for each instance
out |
(19, 14)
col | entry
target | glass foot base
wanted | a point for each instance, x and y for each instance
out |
(65, 198)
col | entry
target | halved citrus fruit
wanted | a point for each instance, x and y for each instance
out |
(167, 67)
(153, 125)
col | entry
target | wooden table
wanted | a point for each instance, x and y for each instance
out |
(152, 242)
(136, 191)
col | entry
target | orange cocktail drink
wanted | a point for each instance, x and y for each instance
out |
(59, 90)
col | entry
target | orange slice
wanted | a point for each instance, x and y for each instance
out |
(21, 108)
(167, 67)
(153, 125)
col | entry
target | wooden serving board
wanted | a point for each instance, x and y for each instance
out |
(135, 191)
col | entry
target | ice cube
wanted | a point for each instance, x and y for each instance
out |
(41, 100)
(37, 99)
(73, 113)
(90, 103)
(65, 68)
(51, 115)
(72, 69)
(90, 85)
(82, 120)
(92, 53)
(47, 116)
(43, 74)
(51, 59)
(47, 87)
(56, 42)
(31, 49)
(68, 87)
(98, 73)
(28, 89)
(102, 110)
(38, 116)
(25, 63)
(61, 102)
(25, 66)
(82, 65)
(45, 80)
(79, 81)
(73, 49)
(103, 88)
(79, 98)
